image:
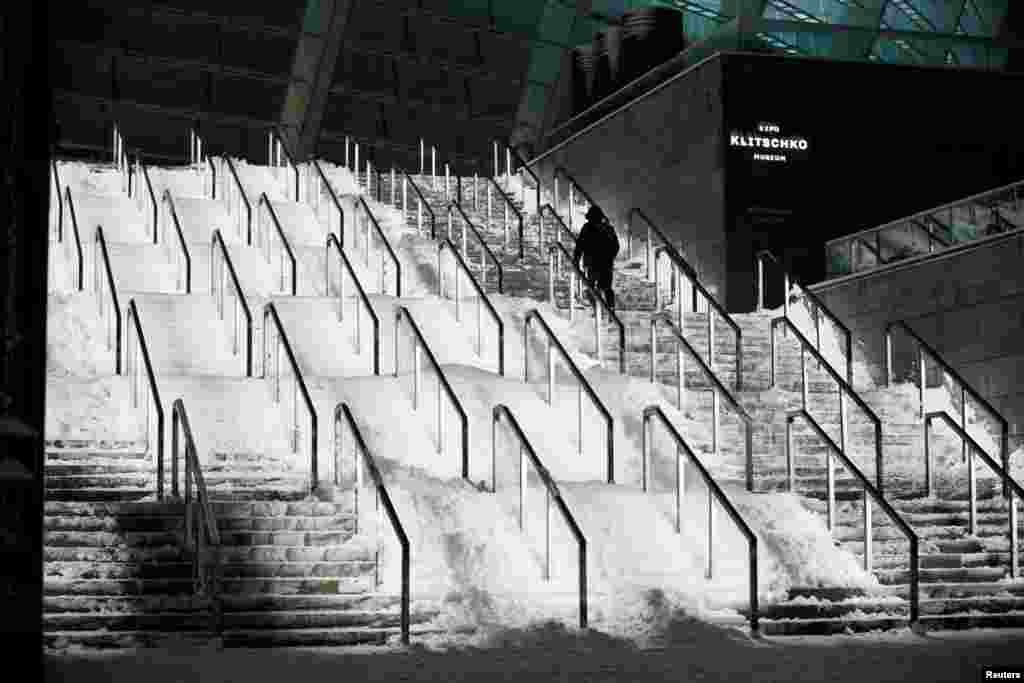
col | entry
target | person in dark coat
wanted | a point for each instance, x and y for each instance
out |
(598, 245)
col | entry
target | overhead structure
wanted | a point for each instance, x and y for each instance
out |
(316, 53)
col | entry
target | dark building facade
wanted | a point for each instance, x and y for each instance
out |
(742, 152)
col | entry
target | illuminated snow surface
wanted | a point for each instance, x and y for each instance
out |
(646, 582)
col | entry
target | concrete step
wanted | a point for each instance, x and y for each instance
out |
(307, 619)
(95, 446)
(103, 539)
(103, 468)
(928, 532)
(900, 546)
(322, 585)
(280, 508)
(70, 456)
(111, 495)
(277, 602)
(157, 622)
(99, 481)
(338, 522)
(943, 575)
(1001, 589)
(310, 554)
(939, 560)
(118, 587)
(125, 640)
(113, 524)
(113, 604)
(255, 494)
(77, 570)
(286, 538)
(251, 569)
(168, 508)
(928, 607)
(157, 554)
(308, 637)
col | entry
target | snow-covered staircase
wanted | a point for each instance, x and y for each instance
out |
(964, 580)
(116, 571)
(292, 571)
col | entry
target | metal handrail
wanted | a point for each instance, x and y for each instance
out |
(717, 389)
(195, 147)
(387, 247)
(101, 244)
(217, 293)
(169, 200)
(575, 274)
(136, 325)
(844, 390)
(584, 386)
(275, 151)
(270, 311)
(715, 492)
(965, 388)
(245, 200)
(818, 305)
(484, 249)
(649, 251)
(120, 157)
(152, 198)
(508, 205)
(561, 227)
(442, 384)
(927, 213)
(205, 560)
(325, 183)
(714, 307)
(78, 239)
(1010, 486)
(481, 300)
(869, 490)
(363, 298)
(574, 187)
(342, 409)
(406, 181)
(552, 493)
(265, 201)
(510, 155)
(213, 177)
(60, 200)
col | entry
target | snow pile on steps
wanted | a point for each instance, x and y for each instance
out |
(488, 573)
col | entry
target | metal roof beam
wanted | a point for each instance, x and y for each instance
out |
(316, 53)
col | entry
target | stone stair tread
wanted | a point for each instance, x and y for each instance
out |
(115, 587)
(130, 604)
(298, 585)
(54, 622)
(271, 509)
(367, 600)
(151, 555)
(98, 494)
(277, 553)
(114, 640)
(100, 509)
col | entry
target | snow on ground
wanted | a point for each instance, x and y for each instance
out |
(684, 650)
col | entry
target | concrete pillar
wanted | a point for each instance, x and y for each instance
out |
(23, 290)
